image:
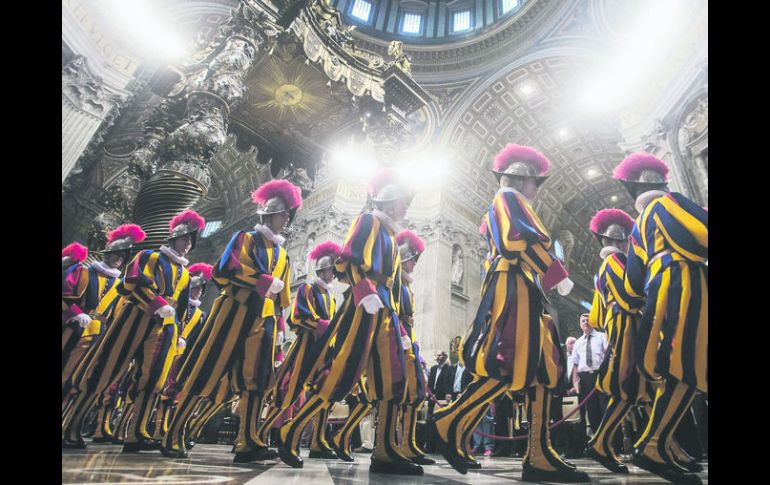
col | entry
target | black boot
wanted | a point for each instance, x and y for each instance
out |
(423, 460)
(607, 463)
(341, 454)
(565, 475)
(323, 454)
(399, 467)
(472, 464)
(663, 470)
(182, 453)
(142, 445)
(189, 444)
(257, 454)
(287, 456)
(73, 445)
(450, 454)
(102, 439)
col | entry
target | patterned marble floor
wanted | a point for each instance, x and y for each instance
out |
(104, 464)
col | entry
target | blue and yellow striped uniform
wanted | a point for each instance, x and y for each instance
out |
(152, 280)
(239, 338)
(666, 264)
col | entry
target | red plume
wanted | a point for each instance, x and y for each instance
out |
(633, 164)
(513, 152)
(188, 216)
(606, 217)
(75, 251)
(324, 249)
(133, 231)
(282, 188)
(203, 268)
(414, 241)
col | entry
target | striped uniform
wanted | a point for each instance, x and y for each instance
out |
(153, 280)
(239, 339)
(416, 383)
(511, 345)
(617, 313)
(364, 343)
(666, 263)
(311, 303)
(190, 328)
(84, 290)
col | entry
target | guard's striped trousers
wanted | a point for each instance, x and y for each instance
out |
(240, 343)
(133, 334)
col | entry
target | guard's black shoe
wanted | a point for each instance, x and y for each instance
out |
(117, 441)
(182, 453)
(565, 475)
(400, 467)
(287, 456)
(232, 450)
(449, 453)
(189, 444)
(142, 445)
(323, 454)
(257, 454)
(692, 466)
(472, 464)
(422, 460)
(568, 463)
(341, 454)
(663, 470)
(607, 463)
(102, 439)
(73, 445)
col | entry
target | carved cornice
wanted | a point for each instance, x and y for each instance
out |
(86, 92)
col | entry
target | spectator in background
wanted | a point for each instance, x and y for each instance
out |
(481, 442)
(461, 380)
(587, 356)
(440, 384)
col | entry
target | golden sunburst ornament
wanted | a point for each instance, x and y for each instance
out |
(288, 94)
(287, 90)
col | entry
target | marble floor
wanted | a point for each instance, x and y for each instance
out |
(104, 464)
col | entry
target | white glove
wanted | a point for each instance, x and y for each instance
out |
(82, 319)
(279, 338)
(565, 286)
(276, 286)
(406, 344)
(371, 303)
(165, 311)
(181, 343)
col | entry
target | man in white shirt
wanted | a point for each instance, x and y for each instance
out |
(587, 356)
(462, 377)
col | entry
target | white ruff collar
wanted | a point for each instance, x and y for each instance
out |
(174, 255)
(326, 286)
(105, 269)
(385, 219)
(646, 197)
(195, 303)
(409, 278)
(607, 250)
(268, 233)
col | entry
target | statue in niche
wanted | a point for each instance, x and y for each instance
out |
(457, 266)
(454, 350)
(694, 124)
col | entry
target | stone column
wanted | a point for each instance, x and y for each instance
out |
(213, 87)
(85, 106)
